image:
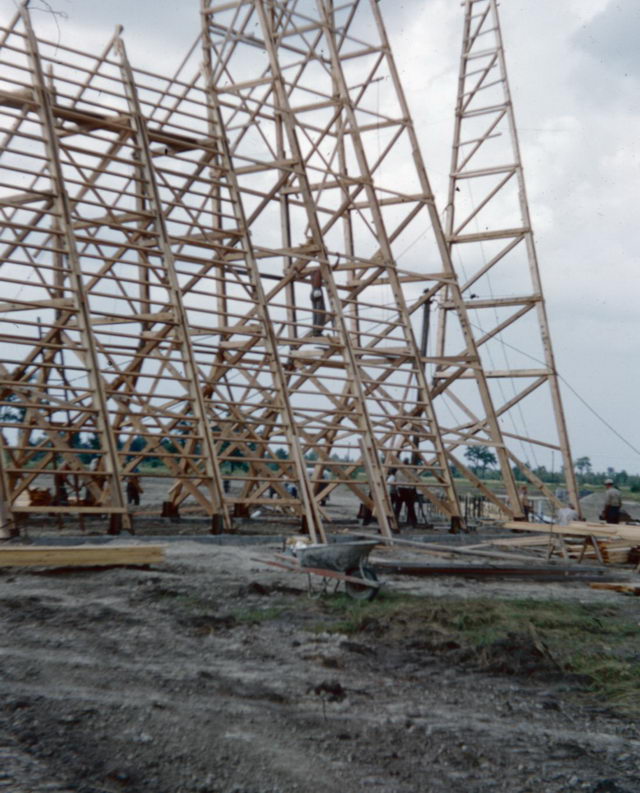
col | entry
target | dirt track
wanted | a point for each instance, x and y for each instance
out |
(214, 674)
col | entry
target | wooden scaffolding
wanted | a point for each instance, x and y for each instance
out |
(230, 266)
(490, 237)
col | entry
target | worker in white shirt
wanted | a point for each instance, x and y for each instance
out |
(612, 503)
(566, 515)
(320, 315)
(392, 485)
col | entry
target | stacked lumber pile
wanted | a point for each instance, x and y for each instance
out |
(611, 551)
(616, 544)
(620, 531)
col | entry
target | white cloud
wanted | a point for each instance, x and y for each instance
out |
(611, 37)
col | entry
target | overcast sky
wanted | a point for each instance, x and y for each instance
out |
(574, 70)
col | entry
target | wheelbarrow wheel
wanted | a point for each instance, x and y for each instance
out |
(361, 591)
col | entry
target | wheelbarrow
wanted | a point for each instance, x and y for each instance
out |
(341, 561)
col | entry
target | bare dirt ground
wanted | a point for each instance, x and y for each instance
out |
(212, 673)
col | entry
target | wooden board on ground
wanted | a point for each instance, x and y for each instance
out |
(81, 555)
(629, 589)
(437, 549)
(483, 571)
(620, 531)
(514, 542)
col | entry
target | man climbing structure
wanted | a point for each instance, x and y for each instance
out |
(320, 316)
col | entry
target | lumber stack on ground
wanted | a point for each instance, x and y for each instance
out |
(81, 555)
(610, 551)
(614, 552)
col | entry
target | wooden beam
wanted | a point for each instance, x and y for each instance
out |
(82, 555)
(619, 531)
(613, 586)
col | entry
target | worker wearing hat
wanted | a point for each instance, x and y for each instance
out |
(612, 503)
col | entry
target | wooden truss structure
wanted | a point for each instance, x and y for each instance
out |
(233, 264)
(491, 241)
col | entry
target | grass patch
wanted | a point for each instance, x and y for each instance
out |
(595, 644)
(192, 604)
(182, 601)
(345, 615)
(255, 616)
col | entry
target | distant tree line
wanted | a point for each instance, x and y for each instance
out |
(483, 462)
(480, 459)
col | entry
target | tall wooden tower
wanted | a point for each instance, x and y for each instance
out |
(490, 237)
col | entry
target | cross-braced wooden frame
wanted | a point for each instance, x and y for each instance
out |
(232, 265)
(491, 240)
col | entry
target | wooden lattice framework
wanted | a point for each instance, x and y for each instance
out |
(227, 265)
(333, 126)
(490, 236)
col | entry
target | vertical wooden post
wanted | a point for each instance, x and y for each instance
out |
(7, 518)
(541, 309)
(484, 101)
(310, 507)
(212, 473)
(63, 209)
(388, 259)
(379, 493)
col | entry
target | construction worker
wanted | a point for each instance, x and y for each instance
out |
(566, 515)
(392, 484)
(133, 490)
(320, 488)
(61, 495)
(320, 317)
(527, 504)
(612, 503)
(407, 494)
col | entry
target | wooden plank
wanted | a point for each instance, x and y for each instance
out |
(106, 509)
(430, 547)
(630, 589)
(514, 542)
(81, 555)
(480, 571)
(620, 531)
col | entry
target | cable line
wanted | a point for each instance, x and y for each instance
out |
(573, 391)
